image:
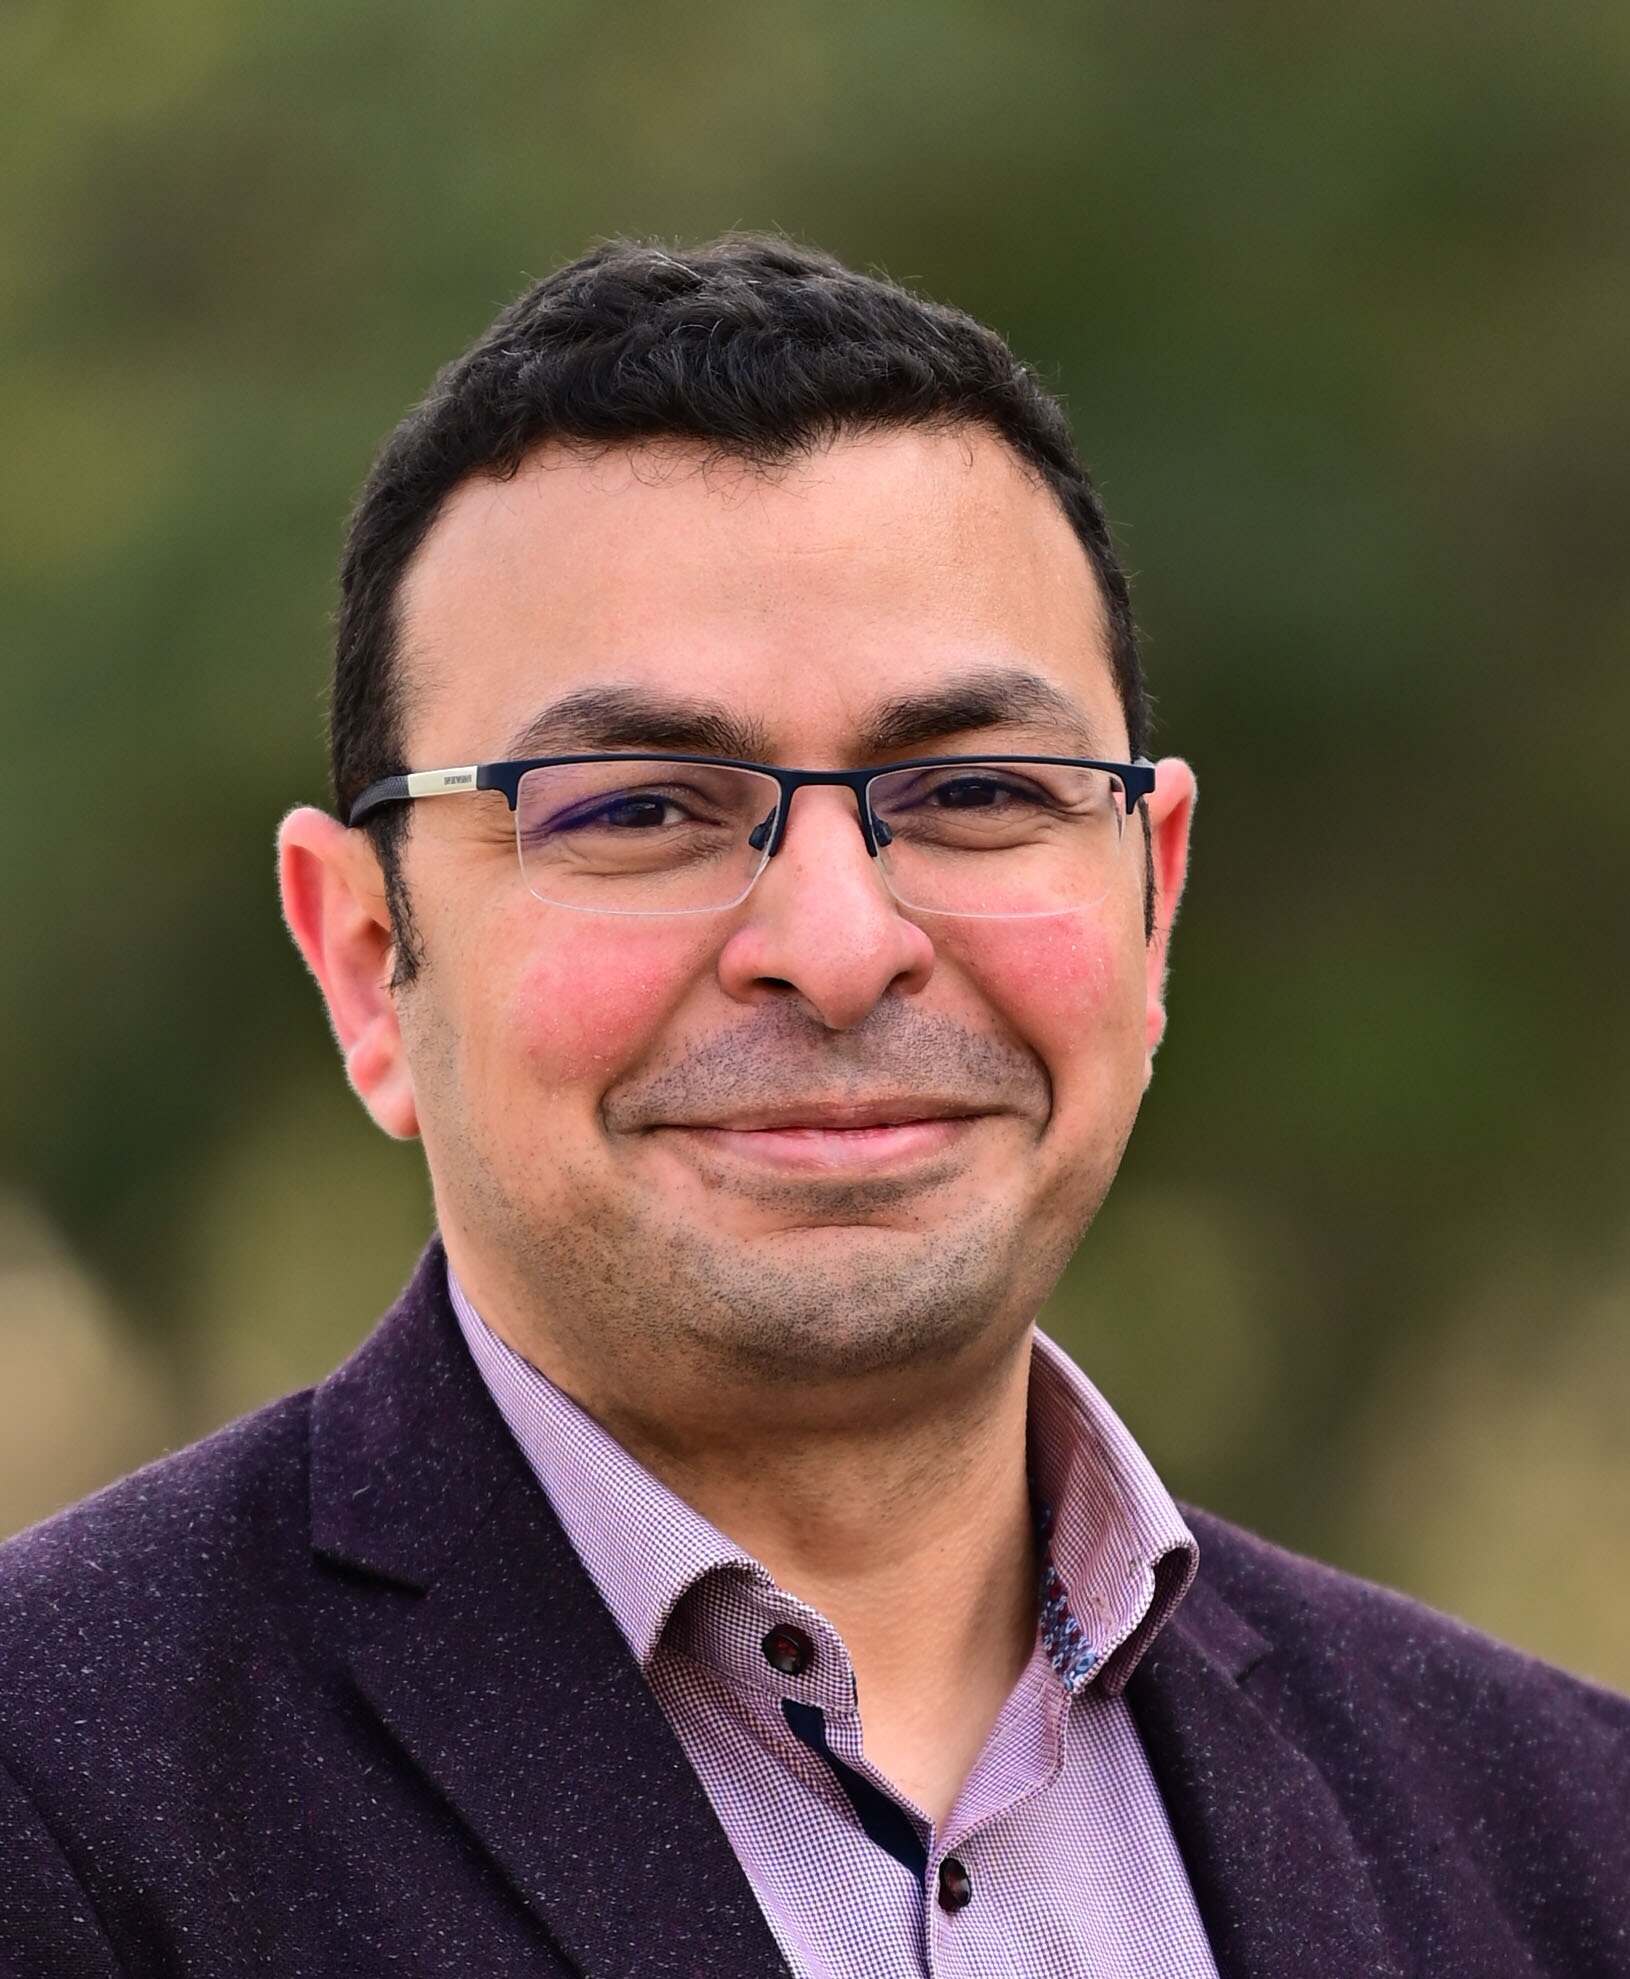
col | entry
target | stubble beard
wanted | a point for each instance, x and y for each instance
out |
(625, 1283)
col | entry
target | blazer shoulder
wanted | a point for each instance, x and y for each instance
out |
(1333, 1626)
(178, 1539)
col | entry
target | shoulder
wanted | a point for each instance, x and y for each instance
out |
(174, 1517)
(1349, 1650)
(92, 1597)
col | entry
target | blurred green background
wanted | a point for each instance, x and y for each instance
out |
(1339, 299)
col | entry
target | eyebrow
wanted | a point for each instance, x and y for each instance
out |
(626, 717)
(615, 717)
(987, 697)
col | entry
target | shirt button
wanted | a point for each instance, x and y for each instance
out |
(788, 1650)
(956, 1885)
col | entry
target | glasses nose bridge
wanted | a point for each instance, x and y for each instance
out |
(794, 781)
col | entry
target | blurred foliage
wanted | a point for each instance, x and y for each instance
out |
(1340, 301)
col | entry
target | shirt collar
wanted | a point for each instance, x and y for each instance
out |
(1121, 1555)
(1120, 1558)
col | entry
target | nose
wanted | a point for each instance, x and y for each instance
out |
(821, 925)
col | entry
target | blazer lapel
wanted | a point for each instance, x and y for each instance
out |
(1280, 1882)
(484, 1647)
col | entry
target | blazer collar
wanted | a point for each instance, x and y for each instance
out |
(1279, 1879)
(484, 1647)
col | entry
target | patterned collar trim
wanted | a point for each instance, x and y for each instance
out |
(1120, 1557)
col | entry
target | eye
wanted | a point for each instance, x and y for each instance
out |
(637, 810)
(984, 789)
(976, 793)
(621, 811)
(981, 806)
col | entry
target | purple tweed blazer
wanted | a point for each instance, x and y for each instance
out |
(331, 1693)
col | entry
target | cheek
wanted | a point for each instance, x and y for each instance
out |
(1072, 991)
(1059, 975)
(591, 998)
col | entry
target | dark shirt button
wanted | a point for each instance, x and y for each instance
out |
(956, 1886)
(789, 1650)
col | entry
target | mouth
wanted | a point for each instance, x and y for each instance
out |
(836, 1137)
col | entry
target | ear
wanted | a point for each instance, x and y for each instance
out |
(334, 904)
(1170, 810)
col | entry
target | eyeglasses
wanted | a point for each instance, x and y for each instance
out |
(984, 836)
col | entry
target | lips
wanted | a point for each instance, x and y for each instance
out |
(826, 1140)
(837, 1116)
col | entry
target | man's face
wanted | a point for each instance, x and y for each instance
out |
(640, 1128)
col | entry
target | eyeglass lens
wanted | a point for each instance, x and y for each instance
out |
(651, 836)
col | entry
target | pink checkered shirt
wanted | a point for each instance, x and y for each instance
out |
(1059, 1846)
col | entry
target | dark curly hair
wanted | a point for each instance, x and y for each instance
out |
(750, 345)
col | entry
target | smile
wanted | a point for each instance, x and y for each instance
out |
(824, 1145)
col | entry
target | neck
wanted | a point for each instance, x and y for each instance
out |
(913, 1535)
(883, 1517)
(896, 1503)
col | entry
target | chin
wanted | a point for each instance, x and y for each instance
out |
(830, 1302)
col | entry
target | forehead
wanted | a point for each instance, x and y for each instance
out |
(801, 597)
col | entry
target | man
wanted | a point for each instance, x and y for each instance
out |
(750, 886)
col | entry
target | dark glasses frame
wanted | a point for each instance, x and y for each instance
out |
(1137, 781)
